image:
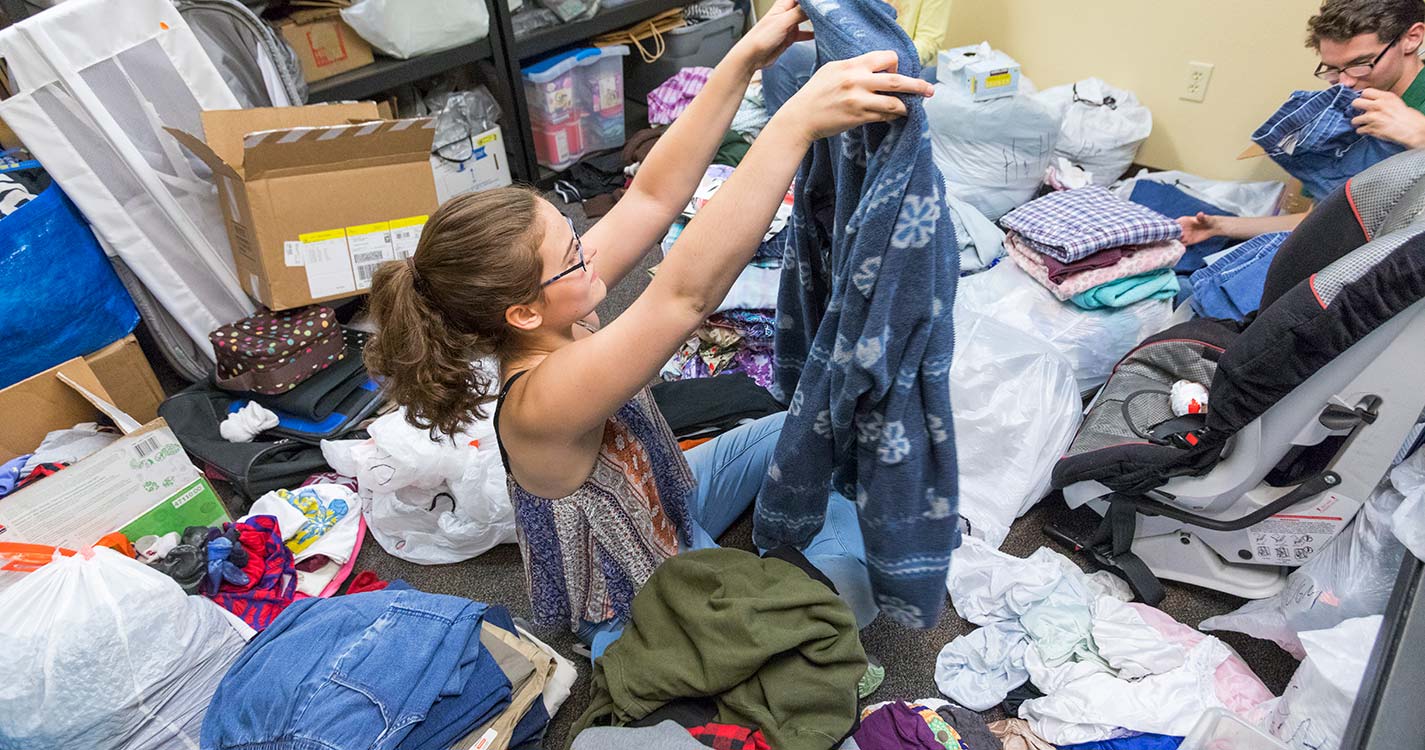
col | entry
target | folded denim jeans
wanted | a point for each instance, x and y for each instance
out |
(382, 669)
(1311, 137)
(1231, 286)
(1172, 201)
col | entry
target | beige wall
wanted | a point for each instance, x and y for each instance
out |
(1144, 46)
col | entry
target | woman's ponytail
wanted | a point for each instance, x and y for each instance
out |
(444, 308)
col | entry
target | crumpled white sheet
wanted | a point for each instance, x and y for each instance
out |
(247, 423)
(1107, 668)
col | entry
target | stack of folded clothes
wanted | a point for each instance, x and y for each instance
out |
(1091, 248)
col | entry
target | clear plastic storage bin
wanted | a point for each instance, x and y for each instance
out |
(1219, 729)
(576, 103)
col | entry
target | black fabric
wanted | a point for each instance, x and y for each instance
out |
(1330, 231)
(253, 468)
(1297, 336)
(358, 405)
(709, 406)
(319, 396)
(593, 175)
(685, 712)
(1136, 468)
(974, 733)
(789, 554)
(1017, 696)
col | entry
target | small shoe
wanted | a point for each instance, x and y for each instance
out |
(872, 679)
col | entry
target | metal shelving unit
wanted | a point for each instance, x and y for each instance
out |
(388, 73)
(569, 34)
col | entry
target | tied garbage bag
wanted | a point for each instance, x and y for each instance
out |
(1093, 341)
(61, 299)
(1017, 400)
(429, 501)
(1316, 705)
(1103, 126)
(1352, 576)
(102, 651)
(992, 154)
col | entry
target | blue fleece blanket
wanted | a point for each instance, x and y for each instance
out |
(864, 338)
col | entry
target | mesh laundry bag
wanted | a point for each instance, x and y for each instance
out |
(106, 652)
(72, 304)
(97, 82)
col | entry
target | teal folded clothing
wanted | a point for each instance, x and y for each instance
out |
(1160, 284)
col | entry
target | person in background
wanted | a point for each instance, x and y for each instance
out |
(924, 21)
(602, 494)
(1372, 46)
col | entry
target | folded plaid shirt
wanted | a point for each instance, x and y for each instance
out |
(1073, 224)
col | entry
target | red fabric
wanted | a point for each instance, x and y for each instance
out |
(271, 575)
(366, 580)
(729, 737)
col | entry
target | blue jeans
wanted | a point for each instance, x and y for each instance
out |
(1231, 286)
(729, 470)
(1311, 137)
(388, 670)
(787, 75)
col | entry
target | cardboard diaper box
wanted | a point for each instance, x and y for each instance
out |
(324, 44)
(141, 484)
(316, 197)
(488, 166)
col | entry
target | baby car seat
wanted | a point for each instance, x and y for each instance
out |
(1309, 402)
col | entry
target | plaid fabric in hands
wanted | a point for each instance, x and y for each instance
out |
(1072, 224)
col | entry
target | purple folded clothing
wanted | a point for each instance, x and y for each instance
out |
(1058, 271)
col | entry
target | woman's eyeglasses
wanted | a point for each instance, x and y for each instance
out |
(578, 248)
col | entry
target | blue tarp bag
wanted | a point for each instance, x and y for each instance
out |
(59, 297)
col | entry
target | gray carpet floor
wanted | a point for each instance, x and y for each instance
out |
(909, 656)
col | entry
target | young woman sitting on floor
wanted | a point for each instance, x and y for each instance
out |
(601, 491)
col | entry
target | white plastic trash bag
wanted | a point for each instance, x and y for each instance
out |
(992, 154)
(1237, 198)
(1092, 340)
(104, 652)
(408, 28)
(1408, 521)
(1352, 576)
(1102, 126)
(1313, 711)
(1017, 407)
(428, 501)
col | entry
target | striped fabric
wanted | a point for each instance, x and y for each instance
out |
(12, 195)
(588, 553)
(669, 100)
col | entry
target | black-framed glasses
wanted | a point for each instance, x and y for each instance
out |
(1331, 74)
(578, 248)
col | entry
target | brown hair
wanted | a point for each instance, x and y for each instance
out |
(445, 307)
(1340, 20)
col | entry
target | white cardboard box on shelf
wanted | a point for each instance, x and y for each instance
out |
(488, 167)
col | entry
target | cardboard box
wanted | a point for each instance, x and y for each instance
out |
(325, 45)
(126, 375)
(488, 167)
(141, 484)
(316, 197)
(980, 71)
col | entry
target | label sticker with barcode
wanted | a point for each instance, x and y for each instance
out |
(370, 246)
(292, 253)
(146, 447)
(328, 263)
(406, 235)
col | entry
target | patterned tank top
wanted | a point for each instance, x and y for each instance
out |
(586, 554)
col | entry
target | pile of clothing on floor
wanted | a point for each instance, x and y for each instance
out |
(1101, 668)
(738, 337)
(1094, 249)
(251, 633)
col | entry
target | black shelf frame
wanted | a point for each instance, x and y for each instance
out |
(553, 38)
(388, 73)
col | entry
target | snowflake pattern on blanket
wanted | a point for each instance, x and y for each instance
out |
(864, 340)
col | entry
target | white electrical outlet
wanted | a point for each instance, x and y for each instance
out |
(1195, 89)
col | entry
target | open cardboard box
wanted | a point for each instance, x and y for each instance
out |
(141, 484)
(325, 44)
(316, 197)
